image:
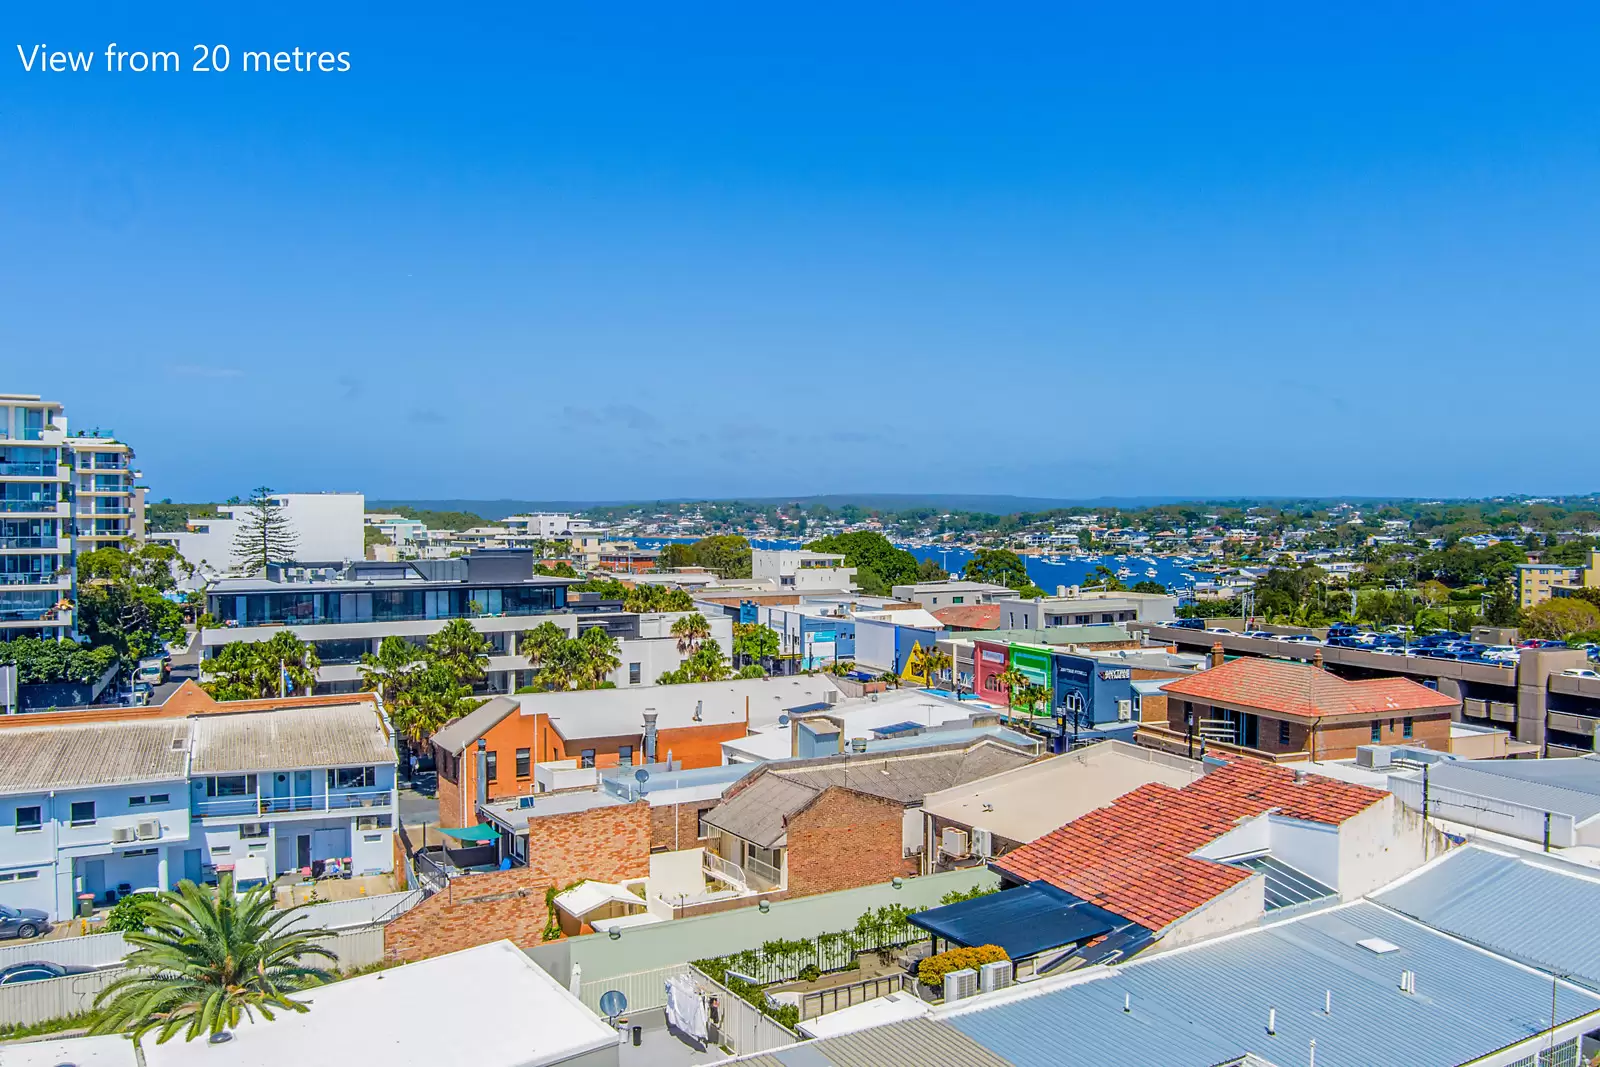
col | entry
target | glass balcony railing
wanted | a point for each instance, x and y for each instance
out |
(14, 506)
(28, 470)
(29, 542)
(254, 805)
(30, 579)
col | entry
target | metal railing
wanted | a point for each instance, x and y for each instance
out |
(251, 804)
(725, 869)
(30, 579)
(13, 505)
(823, 1001)
(763, 871)
(30, 542)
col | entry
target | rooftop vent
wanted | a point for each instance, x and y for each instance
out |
(1378, 945)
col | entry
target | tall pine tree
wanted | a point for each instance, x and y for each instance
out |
(265, 535)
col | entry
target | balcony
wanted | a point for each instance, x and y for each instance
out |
(43, 580)
(52, 543)
(28, 470)
(754, 875)
(251, 805)
(42, 506)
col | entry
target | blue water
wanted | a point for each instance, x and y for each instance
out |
(1047, 576)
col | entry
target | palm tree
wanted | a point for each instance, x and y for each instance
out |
(542, 642)
(207, 957)
(599, 657)
(461, 649)
(930, 661)
(690, 631)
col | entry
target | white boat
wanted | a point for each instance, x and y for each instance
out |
(1123, 572)
(1149, 572)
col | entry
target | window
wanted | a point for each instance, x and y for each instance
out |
(491, 766)
(956, 600)
(366, 822)
(633, 674)
(625, 756)
(22, 876)
(524, 763)
(1407, 726)
(231, 785)
(372, 837)
(252, 829)
(1377, 731)
(1283, 732)
(83, 813)
(357, 777)
(703, 830)
(221, 850)
(141, 852)
(586, 758)
(28, 819)
(136, 802)
(160, 798)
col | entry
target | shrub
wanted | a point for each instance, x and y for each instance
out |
(127, 915)
(932, 970)
(809, 973)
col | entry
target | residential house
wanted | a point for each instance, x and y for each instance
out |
(936, 595)
(1076, 607)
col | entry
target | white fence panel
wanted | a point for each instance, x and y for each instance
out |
(95, 950)
(358, 911)
(742, 1027)
(357, 948)
(1486, 813)
(35, 1002)
(644, 989)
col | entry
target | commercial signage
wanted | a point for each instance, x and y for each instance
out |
(1116, 674)
(990, 656)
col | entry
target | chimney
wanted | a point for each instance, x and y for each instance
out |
(483, 775)
(1061, 590)
(1316, 659)
(1216, 654)
(650, 735)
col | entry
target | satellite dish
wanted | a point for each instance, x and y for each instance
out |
(783, 720)
(641, 776)
(613, 1003)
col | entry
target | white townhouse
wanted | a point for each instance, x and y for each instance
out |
(101, 809)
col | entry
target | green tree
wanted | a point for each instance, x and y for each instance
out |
(255, 670)
(648, 599)
(754, 643)
(929, 662)
(998, 566)
(931, 570)
(265, 535)
(461, 650)
(39, 660)
(1148, 586)
(1105, 578)
(1560, 618)
(690, 630)
(598, 657)
(122, 598)
(1502, 609)
(707, 664)
(542, 642)
(205, 959)
(879, 565)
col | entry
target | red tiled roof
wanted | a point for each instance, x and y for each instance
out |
(1133, 857)
(970, 616)
(1304, 690)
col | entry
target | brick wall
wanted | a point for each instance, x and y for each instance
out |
(691, 746)
(473, 911)
(843, 840)
(1341, 741)
(448, 793)
(676, 826)
(603, 844)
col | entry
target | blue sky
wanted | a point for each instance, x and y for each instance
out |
(604, 251)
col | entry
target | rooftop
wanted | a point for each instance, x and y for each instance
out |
(969, 616)
(1134, 857)
(35, 759)
(1305, 690)
(1565, 786)
(620, 712)
(1028, 802)
(333, 735)
(1093, 634)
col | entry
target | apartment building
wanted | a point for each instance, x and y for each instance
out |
(1538, 582)
(60, 494)
(801, 571)
(327, 528)
(96, 805)
(1073, 607)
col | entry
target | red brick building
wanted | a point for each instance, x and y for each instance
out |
(1281, 711)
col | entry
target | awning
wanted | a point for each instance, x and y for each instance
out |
(582, 899)
(481, 832)
(1024, 921)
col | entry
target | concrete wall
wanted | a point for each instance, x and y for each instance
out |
(1382, 843)
(1234, 909)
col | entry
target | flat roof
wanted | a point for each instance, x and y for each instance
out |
(1208, 1003)
(620, 712)
(332, 735)
(510, 1014)
(1027, 803)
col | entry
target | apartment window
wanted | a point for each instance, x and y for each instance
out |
(1283, 732)
(491, 766)
(132, 852)
(83, 813)
(1407, 726)
(955, 600)
(252, 829)
(633, 674)
(586, 758)
(357, 777)
(221, 850)
(625, 755)
(136, 802)
(372, 837)
(1377, 731)
(159, 798)
(524, 762)
(28, 819)
(19, 876)
(703, 830)
(231, 785)
(373, 822)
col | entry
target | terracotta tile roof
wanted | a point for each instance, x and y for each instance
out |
(1133, 857)
(1304, 690)
(970, 616)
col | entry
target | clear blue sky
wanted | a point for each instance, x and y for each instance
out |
(622, 250)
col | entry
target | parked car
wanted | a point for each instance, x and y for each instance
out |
(1301, 639)
(1266, 634)
(1220, 630)
(1188, 624)
(22, 923)
(38, 971)
(1579, 672)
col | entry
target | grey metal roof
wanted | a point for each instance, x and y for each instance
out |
(757, 812)
(38, 758)
(1533, 909)
(456, 736)
(910, 1043)
(1208, 1004)
(336, 735)
(1568, 786)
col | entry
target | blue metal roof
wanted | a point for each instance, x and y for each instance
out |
(1023, 921)
(1539, 911)
(1208, 1004)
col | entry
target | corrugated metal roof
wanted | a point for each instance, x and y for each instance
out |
(1564, 794)
(1208, 1004)
(912, 1043)
(64, 756)
(339, 735)
(1539, 911)
(909, 776)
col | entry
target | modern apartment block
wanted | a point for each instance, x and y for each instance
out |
(60, 494)
(802, 571)
(327, 528)
(350, 614)
(96, 805)
(1538, 582)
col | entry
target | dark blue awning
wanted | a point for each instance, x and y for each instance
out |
(1026, 920)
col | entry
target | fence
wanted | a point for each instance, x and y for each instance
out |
(96, 950)
(822, 1001)
(741, 1026)
(1486, 813)
(644, 989)
(358, 911)
(783, 961)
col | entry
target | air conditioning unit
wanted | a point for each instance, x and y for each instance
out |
(993, 976)
(149, 829)
(1373, 757)
(955, 842)
(121, 835)
(982, 843)
(1124, 711)
(958, 985)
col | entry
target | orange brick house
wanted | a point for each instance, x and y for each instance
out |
(1280, 710)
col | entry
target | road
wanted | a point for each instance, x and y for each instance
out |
(185, 666)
